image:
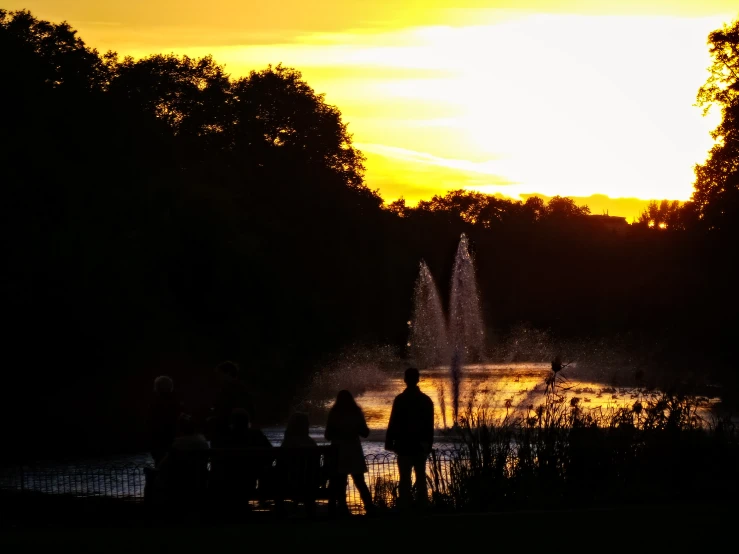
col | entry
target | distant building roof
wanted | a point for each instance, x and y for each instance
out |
(613, 222)
(610, 219)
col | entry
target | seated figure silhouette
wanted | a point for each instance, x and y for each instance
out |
(231, 394)
(296, 432)
(410, 434)
(164, 413)
(183, 470)
(300, 472)
(344, 427)
(234, 475)
(240, 433)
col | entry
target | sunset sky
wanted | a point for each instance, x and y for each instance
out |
(575, 98)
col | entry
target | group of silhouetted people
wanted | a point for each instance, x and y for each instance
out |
(410, 432)
(227, 426)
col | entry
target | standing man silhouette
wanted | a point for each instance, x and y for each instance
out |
(410, 434)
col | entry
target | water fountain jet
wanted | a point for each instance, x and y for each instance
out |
(428, 342)
(437, 341)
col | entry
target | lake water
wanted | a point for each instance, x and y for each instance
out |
(510, 388)
(513, 389)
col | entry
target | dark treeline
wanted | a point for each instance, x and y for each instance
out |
(161, 216)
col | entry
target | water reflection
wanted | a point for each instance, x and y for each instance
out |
(503, 389)
(500, 388)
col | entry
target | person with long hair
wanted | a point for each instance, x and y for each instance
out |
(344, 427)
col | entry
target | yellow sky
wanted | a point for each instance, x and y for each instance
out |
(554, 97)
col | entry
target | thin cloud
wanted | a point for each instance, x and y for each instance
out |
(488, 168)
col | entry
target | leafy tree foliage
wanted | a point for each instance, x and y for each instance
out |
(717, 180)
(565, 208)
(149, 201)
(489, 211)
(276, 108)
(189, 95)
(39, 55)
(666, 214)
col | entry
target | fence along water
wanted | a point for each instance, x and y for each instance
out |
(126, 480)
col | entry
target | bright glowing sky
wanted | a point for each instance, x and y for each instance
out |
(516, 97)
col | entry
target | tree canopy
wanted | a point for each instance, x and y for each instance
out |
(668, 215)
(489, 211)
(159, 196)
(716, 193)
(38, 55)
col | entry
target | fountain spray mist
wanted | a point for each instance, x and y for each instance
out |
(466, 328)
(428, 341)
(436, 341)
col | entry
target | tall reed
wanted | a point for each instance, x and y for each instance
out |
(561, 454)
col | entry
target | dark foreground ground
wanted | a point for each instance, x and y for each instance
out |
(627, 529)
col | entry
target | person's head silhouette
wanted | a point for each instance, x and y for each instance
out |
(228, 371)
(163, 384)
(344, 400)
(411, 377)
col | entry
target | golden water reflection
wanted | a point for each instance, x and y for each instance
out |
(502, 389)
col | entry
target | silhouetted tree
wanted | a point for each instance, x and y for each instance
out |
(398, 207)
(561, 208)
(717, 180)
(466, 205)
(155, 203)
(191, 96)
(276, 108)
(534, 208)
(488, 211)
(662, 215)
(37, 55)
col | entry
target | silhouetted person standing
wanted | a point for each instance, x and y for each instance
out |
(410, 434)
(164, 413)
(344, 427)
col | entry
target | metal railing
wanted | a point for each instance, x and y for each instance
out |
(126, 480)
(123, 481)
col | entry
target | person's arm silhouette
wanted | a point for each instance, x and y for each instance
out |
(392, 425)
(428, 425)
